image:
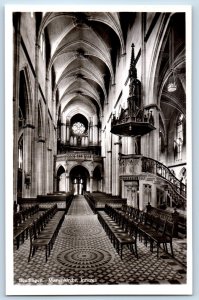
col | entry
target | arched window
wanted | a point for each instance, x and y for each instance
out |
(20, 152)
(179, 136)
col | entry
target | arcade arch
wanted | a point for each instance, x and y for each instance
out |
(80, 180)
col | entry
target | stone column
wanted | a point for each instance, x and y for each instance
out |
(109, 156)
(147, 194)
(95, 130)
(47, 137)
(95, 135)
(49, 171)
(86, 141)
(154, 195)
(67, 133)
(91, 184)
(27, 159)
(131, 146)
(67, 182)
(113, 169)
(91, 133)
(101, 184)
(154, 134)
(141, 196)
(117, 175)
(36, 145)
(16, 79)
(40, 167)
(124, 145)
(123, 190)
(63, 131)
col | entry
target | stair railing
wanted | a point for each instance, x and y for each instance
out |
(153, 166)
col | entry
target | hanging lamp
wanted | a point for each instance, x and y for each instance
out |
(171, 86)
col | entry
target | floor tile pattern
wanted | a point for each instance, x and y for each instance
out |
(79, 207)
(83, 254)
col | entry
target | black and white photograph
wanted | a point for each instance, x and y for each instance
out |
(98, 174)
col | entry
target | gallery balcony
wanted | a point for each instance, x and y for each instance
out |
(79, 157)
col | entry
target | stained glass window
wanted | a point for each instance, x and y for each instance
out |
(78, 128)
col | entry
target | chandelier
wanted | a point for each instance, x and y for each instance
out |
(171, 87)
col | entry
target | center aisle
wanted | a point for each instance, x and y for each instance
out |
(85, 243)
(79, 206)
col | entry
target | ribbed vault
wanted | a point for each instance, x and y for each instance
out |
(82, 57)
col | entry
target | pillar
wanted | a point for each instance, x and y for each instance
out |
(95, 130)
(63, 131)
(27, 159)
(117, 182)
(109, 179)
(36, 145)
(47, 137)
(101, 184)
(116, 169)
(16, 49)
(67, 182)
(154, 135)
(113, 169)
(67, 133)
(86, 141)
(91, 132)
(40, 173)
(131, 145)
(91, 184)
(71, 141)
(49, 185)
(154, 196)
(146, 194)
(95, 135)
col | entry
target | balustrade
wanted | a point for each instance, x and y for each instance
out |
(135, 165)
(155, 167)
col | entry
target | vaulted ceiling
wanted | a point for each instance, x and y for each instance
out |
(172, 69)
(83, 52)
(83, 49)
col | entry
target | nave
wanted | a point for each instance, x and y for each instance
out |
(83, 254)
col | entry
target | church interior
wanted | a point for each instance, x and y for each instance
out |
(99, 148)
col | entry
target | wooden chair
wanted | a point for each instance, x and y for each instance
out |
(129, 239)
(163, 236)
(37, 242)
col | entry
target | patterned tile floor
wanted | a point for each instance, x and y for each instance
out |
(83, 254)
